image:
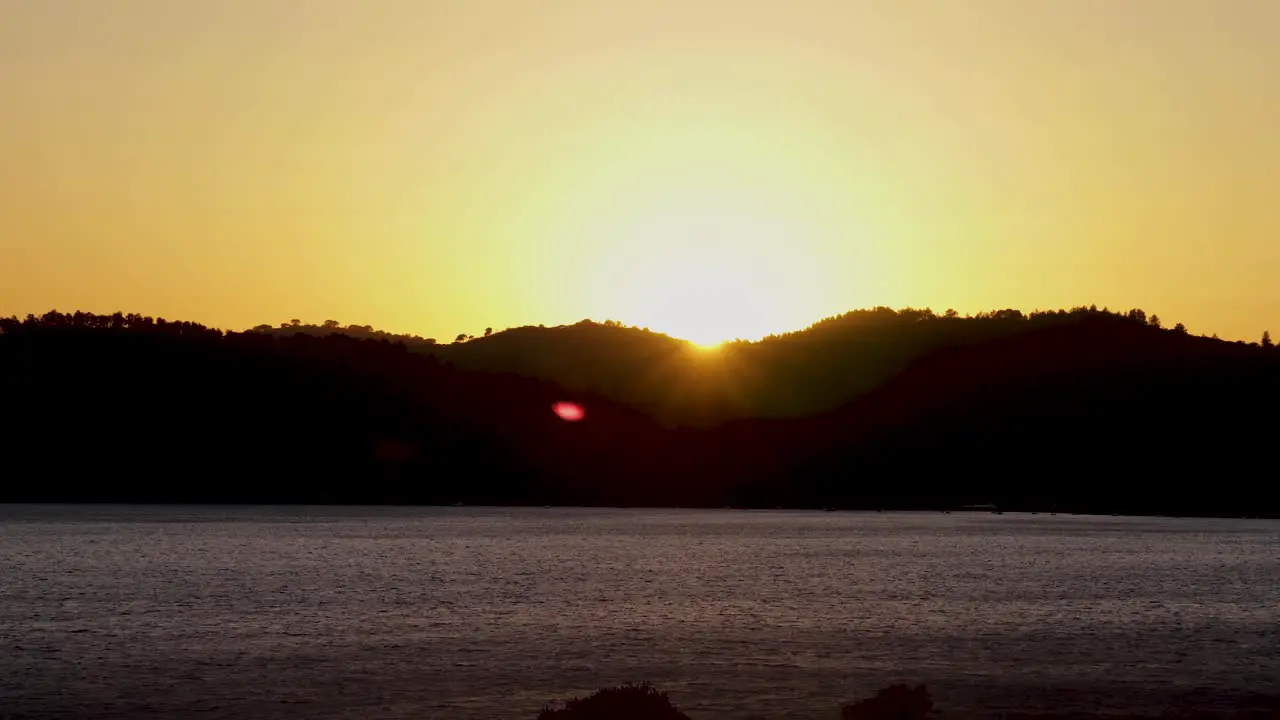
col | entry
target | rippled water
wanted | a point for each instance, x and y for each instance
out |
(488, 613)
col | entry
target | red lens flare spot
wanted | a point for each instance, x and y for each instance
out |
(569, 411)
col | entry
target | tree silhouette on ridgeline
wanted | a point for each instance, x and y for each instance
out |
(358, 332)
(1080, 410)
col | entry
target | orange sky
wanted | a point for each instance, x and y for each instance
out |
(708, 168)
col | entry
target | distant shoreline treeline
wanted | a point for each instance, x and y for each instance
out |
(1078, 411)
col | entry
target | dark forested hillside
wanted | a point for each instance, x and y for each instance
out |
(1075, 411)
(1103, 414)
(793, 375)
(135, 409)
(668, 379)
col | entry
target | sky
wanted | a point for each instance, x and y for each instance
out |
(707, 168)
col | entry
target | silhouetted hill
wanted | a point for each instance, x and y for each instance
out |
(669, 379)
(132, 408)
(791, 375)
(1079, 411)
(1098, 414)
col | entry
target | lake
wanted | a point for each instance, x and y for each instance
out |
(307, 612)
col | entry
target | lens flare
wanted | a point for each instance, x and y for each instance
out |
(569, 411)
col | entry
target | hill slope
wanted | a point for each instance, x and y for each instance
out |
(1100, 415)
(1080, 411)
(147, 410)
(792, 375)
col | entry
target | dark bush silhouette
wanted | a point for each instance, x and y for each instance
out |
(629, 702)
(896, 702)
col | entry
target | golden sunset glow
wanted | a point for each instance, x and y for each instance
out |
(711, 170)
(709, 266)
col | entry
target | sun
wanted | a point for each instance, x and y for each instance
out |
(695, 221)
(704, 298)
(710, 275)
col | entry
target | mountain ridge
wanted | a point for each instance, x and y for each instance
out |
(795, 374)
(1081, 411)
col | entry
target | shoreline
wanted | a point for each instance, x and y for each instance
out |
(534, 506)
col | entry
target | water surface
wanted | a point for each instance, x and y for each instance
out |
(164, 612)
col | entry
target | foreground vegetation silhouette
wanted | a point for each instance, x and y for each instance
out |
(895, 702)
(645, 702)
(629, 702)
(1076, 411)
